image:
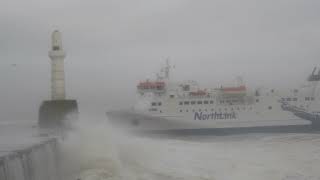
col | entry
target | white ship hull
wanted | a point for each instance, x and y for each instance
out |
(137, 121)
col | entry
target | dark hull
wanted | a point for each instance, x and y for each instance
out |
(239, 130)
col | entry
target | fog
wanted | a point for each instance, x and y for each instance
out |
(111, 45)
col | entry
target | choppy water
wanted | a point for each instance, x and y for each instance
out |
(95, 151)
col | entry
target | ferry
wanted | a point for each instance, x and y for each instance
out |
(163, 104)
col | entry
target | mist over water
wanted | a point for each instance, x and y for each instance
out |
(94, 150)
(88, 151)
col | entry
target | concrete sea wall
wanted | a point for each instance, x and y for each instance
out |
(35, 161)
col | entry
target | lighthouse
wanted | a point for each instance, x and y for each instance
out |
(57, 55)
(59, 111)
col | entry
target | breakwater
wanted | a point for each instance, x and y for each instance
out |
(24, 156)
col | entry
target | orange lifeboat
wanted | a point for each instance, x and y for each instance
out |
(239, 90)
(151, 85)
(198, 93)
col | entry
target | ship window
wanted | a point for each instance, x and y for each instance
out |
(205, 102)
(231, 109)
(193, 102)
(199, 110)
(283, 99)
(199, 102)
(307, 98)
(171, 96)
(221, 102)
(180, 110)
(238, 108)
(234, 100)
(153, 104)
(160, 111)
(294, 99)
(180, 103)
(159, 103)
(193, 110)
(312, 98)
(186, 103)
(257, 100)
(187, 110)
(270, 107)
(288, 99)
(212, 109)
(211, 102)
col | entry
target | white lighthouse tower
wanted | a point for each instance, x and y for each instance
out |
(59, 111)
(57, 55)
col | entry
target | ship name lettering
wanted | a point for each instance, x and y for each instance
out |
(214, 116)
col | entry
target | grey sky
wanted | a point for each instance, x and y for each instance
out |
(112, 44)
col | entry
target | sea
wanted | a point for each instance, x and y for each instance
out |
(94, 150)
(97, 151)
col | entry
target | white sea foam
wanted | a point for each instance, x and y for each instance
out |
(254, 156)
(93, 151)
(88, 152)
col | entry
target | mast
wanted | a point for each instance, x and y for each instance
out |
(167, 69)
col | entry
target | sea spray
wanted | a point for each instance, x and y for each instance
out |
(88, 151)
(93, 150)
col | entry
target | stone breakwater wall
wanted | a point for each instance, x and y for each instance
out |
(36, 160)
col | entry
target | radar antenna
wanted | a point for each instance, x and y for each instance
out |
(164, 73)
